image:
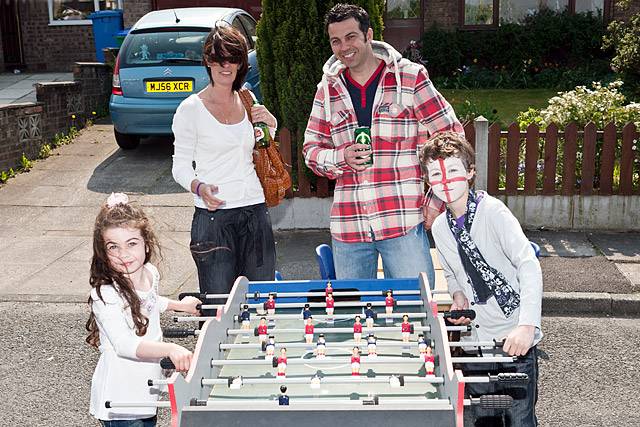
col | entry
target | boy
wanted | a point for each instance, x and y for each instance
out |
(490, 268)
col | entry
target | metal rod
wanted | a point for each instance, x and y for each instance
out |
(351, 344)
(327, 380)
(325, 361)
(335, 292)
(323, 305)
(375, 329)
(342, 316)
(192, 318)
(332, 403)
(158, 404)
(485, 359)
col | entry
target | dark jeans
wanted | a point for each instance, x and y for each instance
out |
(525, 395)
(228, 243)
(146, 422)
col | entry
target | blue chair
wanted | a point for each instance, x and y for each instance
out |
(324, 255)
(536, 248)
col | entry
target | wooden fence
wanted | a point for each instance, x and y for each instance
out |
(566, 162)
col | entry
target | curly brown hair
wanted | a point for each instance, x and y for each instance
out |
(448, 144)
(102, 273)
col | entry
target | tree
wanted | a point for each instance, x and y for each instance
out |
(624, 39)
(292, 48)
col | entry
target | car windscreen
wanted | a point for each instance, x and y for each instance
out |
(163, 47)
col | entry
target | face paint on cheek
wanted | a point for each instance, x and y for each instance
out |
(449, 188)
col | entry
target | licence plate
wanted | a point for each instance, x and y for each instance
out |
(171, 86)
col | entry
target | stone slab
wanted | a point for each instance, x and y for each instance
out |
(625, 305)
(562, 243)
(567, 303)
(632, 273)
(593, 274)
(618, 247)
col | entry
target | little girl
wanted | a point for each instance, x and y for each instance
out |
(124, 323)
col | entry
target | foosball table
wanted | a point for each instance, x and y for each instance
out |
(279, 353)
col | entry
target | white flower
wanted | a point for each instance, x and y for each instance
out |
(117, 198)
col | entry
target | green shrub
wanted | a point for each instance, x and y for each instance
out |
(25, 163)
(624, 38)
(548, 49)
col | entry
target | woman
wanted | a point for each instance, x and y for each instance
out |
(231, 232)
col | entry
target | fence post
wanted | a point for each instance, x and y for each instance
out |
(482, 152)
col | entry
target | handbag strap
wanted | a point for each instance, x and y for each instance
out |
(247, 101)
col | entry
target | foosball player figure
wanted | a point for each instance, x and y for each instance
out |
(283, 399)
(328, 290)
(389, 302)
(282, 362)
(429, 361)
(489, 263)
(245, 317)
(308, 330)
(355, 361)
(262, 329)
(370, 315)
(330, 304)
(372, 345)
(306, 312)
(270, 305)
(321, 347)
(406, 328)
(270, 348)
(357, 330)
(422, 344)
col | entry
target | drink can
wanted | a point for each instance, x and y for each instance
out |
(362, 135)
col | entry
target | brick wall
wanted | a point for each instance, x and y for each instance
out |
(134, 10)
(24, 128)
(20, 132)
(55, 47)
(443, 13)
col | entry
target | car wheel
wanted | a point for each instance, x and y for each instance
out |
(127, 141)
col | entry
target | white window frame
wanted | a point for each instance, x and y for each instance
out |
(52, 22)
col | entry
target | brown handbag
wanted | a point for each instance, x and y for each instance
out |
(270, 167)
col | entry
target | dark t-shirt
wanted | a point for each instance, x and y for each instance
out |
(362, 96)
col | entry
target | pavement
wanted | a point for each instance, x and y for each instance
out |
(47, 214)
(18, 88)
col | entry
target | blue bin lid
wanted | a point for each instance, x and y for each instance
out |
(105, 13)
(123, 33)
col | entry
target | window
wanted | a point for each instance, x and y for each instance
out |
(595, 6)
(76, 12)
(403, 9)
(250, 27)
(478, 12)
(517, 10)
(163, 48)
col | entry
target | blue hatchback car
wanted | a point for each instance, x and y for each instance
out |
(160, 64)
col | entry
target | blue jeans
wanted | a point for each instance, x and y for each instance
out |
(146, 422)
(523, 411)
(402, 257)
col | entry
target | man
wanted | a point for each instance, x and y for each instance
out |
(376, 207)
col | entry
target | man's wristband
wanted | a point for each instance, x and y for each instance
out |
(198, 189)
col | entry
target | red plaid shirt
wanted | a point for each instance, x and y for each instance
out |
(386, 198)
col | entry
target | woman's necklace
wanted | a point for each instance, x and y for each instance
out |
(225, 114)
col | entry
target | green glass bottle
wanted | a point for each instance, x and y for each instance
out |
(261, 132)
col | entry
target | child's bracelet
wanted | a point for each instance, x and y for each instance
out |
(198, 189)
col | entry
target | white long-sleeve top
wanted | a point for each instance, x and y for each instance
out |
(502, 243)
(120, 375)
(223, 155)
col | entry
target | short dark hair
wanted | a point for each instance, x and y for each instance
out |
(342, 12)
(226, 43)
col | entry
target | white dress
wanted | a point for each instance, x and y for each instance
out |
(120, 376)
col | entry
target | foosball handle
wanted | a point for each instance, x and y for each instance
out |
(198, 295)
(178, 333)
(166, 363)
(496, 401)
(510, 377)
(498, 343)
(107, 404)
(456, 314)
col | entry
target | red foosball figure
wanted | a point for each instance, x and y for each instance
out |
(328, 290)
(357, 330)
(262, 329)
(270, 305)
(355, 361)
(389, 302)
(330, 304)
(308, 330)
(406, 328)
(282, 362)
(429, 361)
